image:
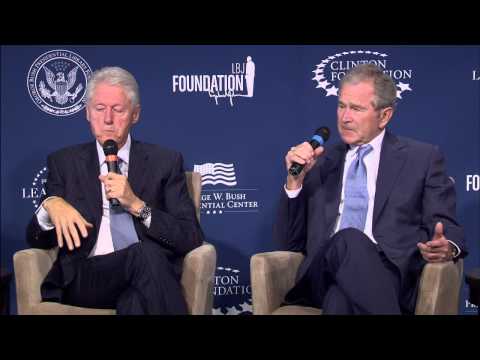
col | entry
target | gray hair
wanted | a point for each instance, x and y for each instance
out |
(383, 85)
(114, 75)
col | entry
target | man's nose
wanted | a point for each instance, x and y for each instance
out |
(345, 115)
(108, 119)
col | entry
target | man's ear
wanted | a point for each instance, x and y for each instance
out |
(136, 114)
(385, 116)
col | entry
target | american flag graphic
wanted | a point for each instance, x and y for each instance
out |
(216, 173)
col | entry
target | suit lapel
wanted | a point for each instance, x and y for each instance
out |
(88, 178)
(137, 168)
(333, 184)
(392, 160)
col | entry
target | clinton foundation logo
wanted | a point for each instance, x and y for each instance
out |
(239, 83)
(36, 189)
(330, 70)
(220, 196)
(470, 308)
(57, 81)
(232, 295)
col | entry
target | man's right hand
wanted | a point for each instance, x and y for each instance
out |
(64, 217)
(305, 155)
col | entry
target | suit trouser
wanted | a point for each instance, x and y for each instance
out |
(352, 276)
(135, 280)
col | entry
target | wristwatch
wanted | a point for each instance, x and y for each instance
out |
(454, 250)
(144, 212)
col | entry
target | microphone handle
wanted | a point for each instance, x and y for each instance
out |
(113, 167)
(297, 168)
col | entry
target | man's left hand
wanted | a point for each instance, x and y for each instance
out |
(439, 249)
(117, 187)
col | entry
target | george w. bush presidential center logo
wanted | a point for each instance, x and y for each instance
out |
(57, 81)
(220, 194)
(330, 70)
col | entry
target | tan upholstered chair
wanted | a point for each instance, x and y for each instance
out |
(273, 275)
(32, 265)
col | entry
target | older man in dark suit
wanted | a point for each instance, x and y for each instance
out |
(368, 213)
(128, 256)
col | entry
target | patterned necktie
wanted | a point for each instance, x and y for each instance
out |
(121, 226)
(356, 193)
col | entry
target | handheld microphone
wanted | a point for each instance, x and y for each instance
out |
(110, 149)
(318, 139)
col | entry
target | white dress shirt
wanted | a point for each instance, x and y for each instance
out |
(104, 244)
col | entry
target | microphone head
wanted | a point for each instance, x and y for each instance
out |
(110, 147)
(323, 132)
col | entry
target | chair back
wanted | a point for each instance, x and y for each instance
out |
(194, 184)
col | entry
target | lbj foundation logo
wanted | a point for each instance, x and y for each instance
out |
(57, 81)
(239, 83)
(229, 200)
(331, 70)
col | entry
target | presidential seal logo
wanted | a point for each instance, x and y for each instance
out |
(57, 81)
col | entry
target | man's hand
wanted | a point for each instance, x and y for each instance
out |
(302, 154)
(117, 187)
(439, 249)
(67, 221)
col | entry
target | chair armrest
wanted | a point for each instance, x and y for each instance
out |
(31, 266)
(439, 288)
(197, 279)
(272, 276)
(54, 308)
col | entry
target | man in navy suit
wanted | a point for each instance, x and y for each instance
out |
(368, 213)
(128, 257)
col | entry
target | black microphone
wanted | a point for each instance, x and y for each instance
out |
(110, 149)
(318, 139)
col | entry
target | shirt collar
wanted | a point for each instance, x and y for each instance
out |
(376, 143)
(123, 153)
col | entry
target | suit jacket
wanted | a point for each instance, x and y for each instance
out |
(413, 192)
(155, 175)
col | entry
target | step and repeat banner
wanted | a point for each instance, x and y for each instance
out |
(233, 112)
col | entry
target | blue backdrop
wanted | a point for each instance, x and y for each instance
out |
(196, 99)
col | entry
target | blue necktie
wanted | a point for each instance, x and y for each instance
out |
(356, 192)
(121, 226)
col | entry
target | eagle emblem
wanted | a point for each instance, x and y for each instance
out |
(61, 87)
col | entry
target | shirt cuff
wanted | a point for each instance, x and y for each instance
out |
(458, 249)
(43, 217)
(292, 194)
